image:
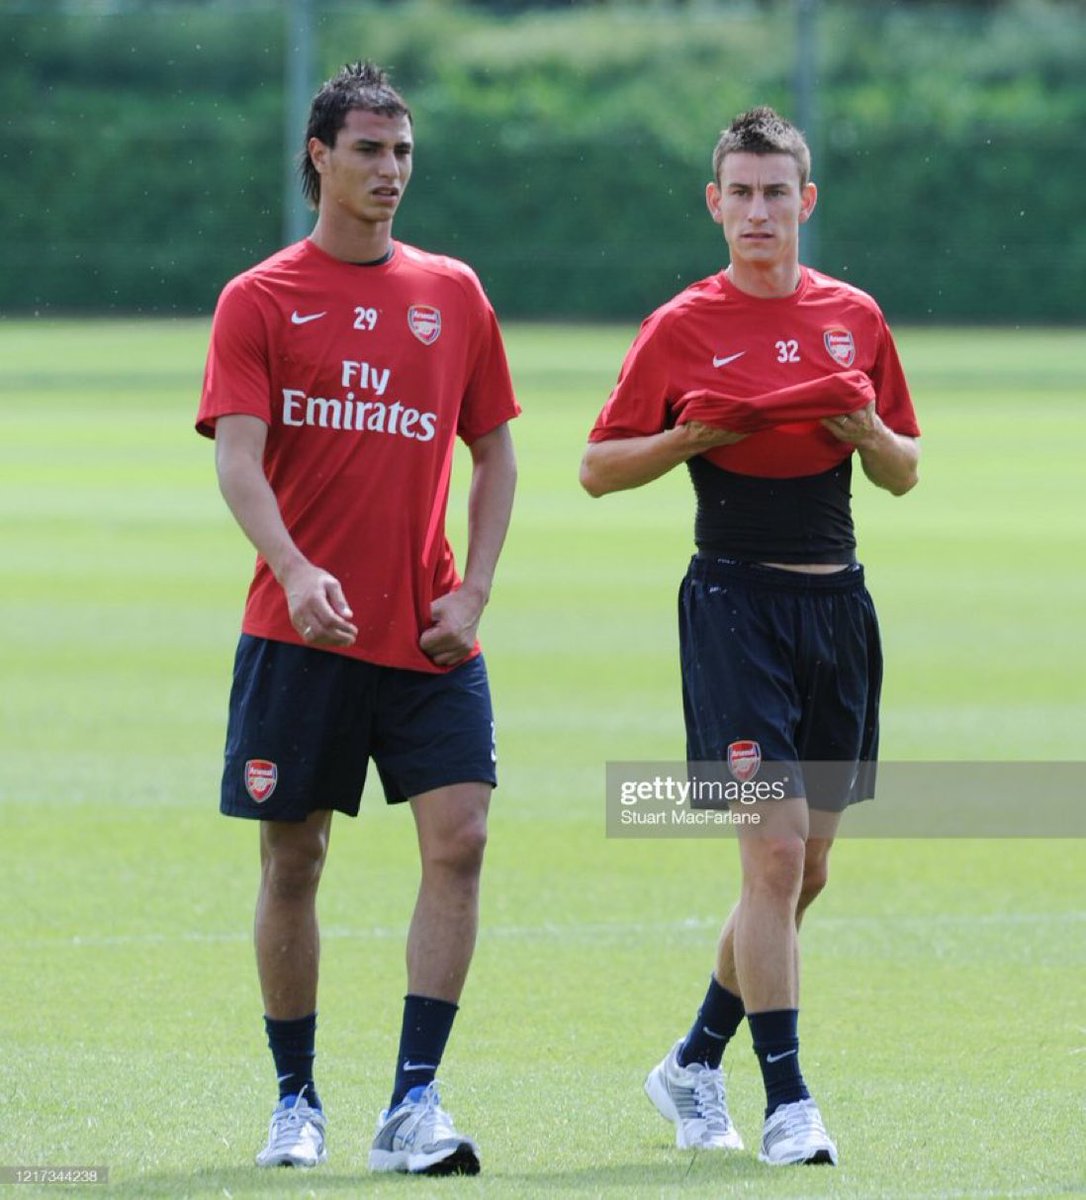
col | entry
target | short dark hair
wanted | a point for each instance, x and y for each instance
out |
(361, 85)
(763, 131)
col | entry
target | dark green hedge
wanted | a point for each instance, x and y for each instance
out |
(563, 153)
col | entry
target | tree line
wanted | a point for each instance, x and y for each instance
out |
(562, 151)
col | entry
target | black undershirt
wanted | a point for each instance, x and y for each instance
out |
(807, 519)
(375, 262)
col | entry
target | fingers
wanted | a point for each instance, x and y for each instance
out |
(446, 647)
(710, 435)
(323, 618)
(337, 599)
(843, 427)
(331, 631)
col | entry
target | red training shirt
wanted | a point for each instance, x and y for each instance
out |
(365, 375)
(714, 338)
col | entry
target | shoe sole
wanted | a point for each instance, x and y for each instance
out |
(463, 1159)
(301, 1164)
(820, 1158)
(657, 1092)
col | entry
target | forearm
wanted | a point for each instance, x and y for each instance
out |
(614, 466)
(490, 505)
(252, 502)
(890, 460)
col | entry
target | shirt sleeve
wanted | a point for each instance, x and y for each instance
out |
(489, 400)
(638, 405)
(236, 376)
(893, 402)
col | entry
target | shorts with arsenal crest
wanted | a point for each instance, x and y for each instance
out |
(781, 674)
(304, 724)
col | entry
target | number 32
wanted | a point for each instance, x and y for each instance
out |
(788, 351)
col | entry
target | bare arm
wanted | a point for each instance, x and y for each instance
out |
(318, 608)
(456, 615)
(889, 459)
(623, 463)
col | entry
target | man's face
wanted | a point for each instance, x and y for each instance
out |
(364, 174)
(760, 205)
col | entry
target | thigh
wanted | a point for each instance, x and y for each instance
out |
(434, 730)
(298, 734)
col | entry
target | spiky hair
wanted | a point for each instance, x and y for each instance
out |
(763, 131)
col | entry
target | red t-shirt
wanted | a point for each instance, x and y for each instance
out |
(714, 340)
(365, 376)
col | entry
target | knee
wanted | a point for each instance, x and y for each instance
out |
(776, 867)
(292, 866)
(459, 851)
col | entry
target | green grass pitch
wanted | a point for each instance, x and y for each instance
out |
(943, 1023)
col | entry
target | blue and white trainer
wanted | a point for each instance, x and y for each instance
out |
(692, 1098)
(295, 1135)
(794, 1134)
(418, 1137)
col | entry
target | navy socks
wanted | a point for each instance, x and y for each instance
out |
(720, 1015)
(776, 1043)
(427, 1024)
(292, 1045)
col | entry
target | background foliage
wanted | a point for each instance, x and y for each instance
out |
(562, 150)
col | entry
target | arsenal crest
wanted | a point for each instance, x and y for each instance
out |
(261, 776)
(424, 322)
(744, 759)
(841, 346)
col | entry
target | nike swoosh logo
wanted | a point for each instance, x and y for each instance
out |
(772, 1058)
(723, 362)
(296, 317)
(410, 1066)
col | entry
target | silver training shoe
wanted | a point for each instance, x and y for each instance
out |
(794, 1134)
(295, 1136)
(692, 1098)
(417, 1136)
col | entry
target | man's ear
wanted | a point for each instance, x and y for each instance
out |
(807, 201)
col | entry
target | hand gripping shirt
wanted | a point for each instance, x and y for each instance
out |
(365, 376)
(774, 367)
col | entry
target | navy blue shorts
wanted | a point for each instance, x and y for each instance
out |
(782, 669)
(304, 724)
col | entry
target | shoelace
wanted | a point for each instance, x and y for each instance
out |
(433, 1122)
(709, 1094)
(288, 1120)
(802, 1118)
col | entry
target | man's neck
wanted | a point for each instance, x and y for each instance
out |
(766, 282)
(356, 243)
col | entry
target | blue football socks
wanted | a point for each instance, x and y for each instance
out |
(293, 1045)
(720, 1015)
(426, 1026)
(776, 1043)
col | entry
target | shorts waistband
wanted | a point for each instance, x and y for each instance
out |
(724, 570)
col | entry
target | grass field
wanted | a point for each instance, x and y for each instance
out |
(944, 1022)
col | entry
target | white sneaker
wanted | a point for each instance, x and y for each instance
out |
(794, 1133)
(693, 1098)
(295, 1136)
(418, 1137)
